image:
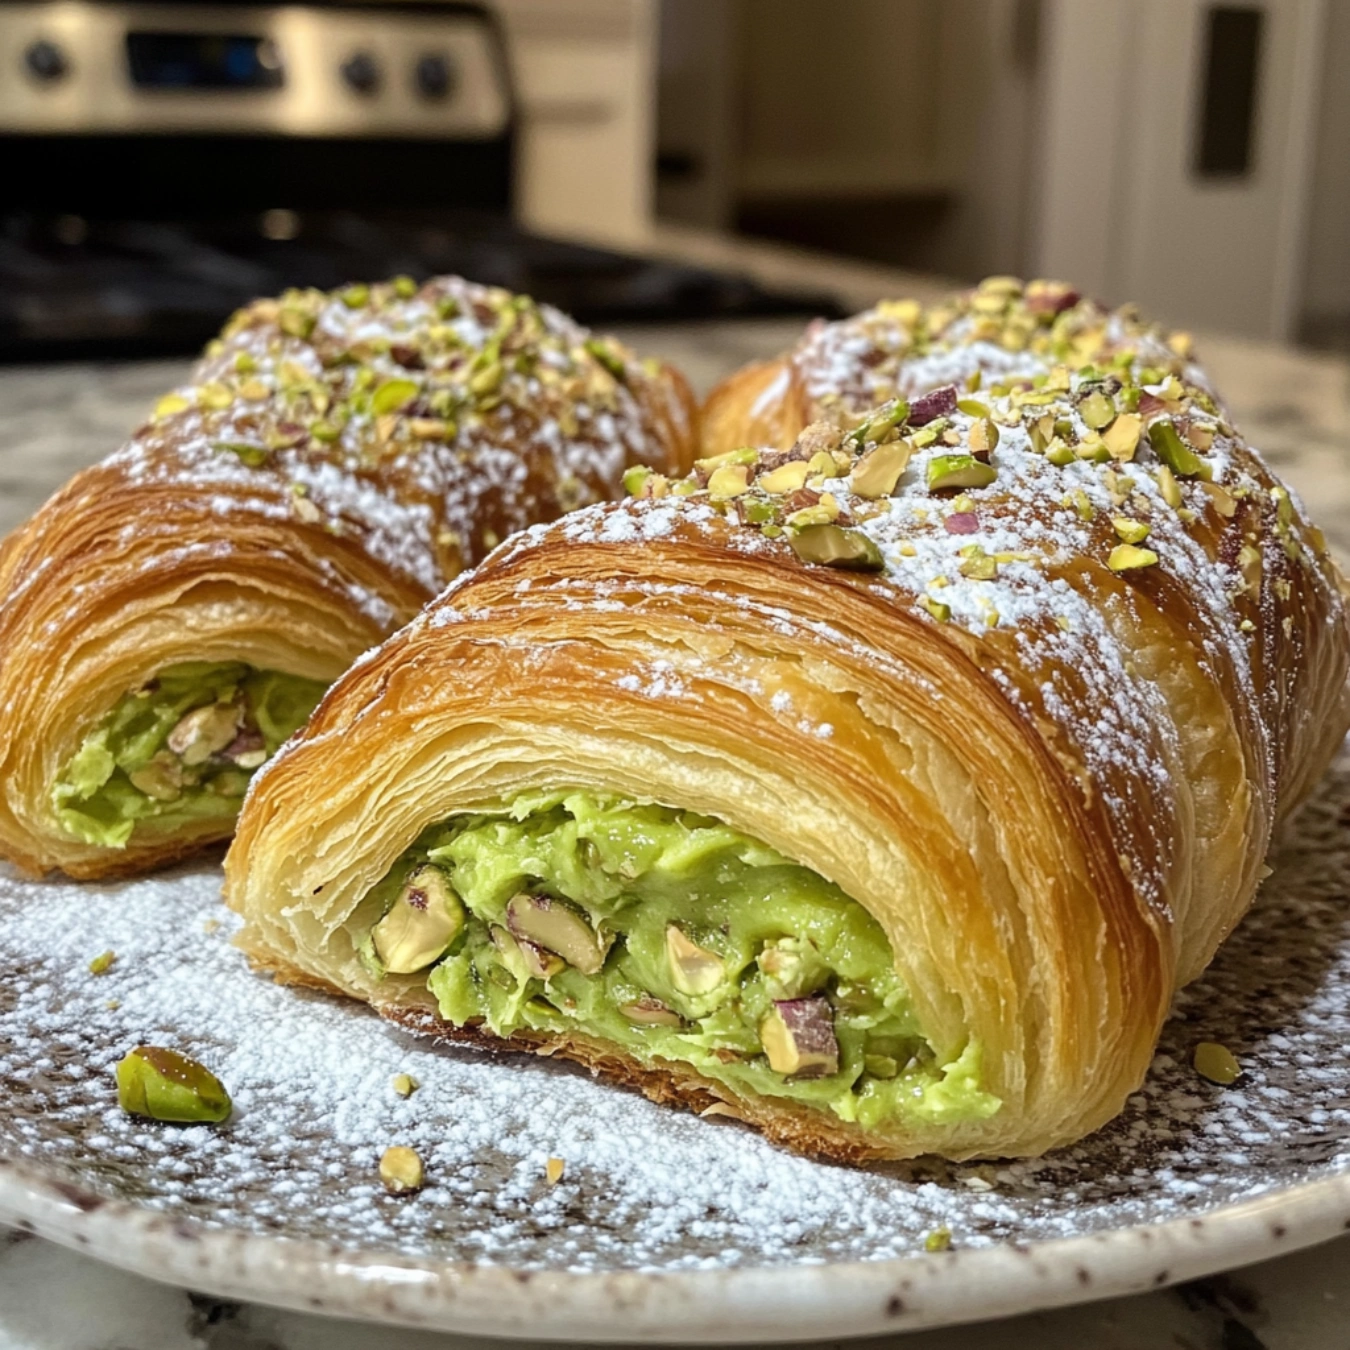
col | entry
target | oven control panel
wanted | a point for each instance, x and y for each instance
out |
(86, 67)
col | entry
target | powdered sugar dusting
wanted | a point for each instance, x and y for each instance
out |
(428, 423)
(644, 1187)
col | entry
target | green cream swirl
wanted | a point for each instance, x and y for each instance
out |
(631, 873)
(130, 773)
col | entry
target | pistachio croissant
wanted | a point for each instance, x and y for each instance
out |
(175, 612)
(878, 788)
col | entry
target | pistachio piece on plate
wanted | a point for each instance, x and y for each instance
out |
(401, 1170)
(694, 970)
(165, 1085)
(423, 921)
(1216, 1063)
(556, 927)
(798, 1037)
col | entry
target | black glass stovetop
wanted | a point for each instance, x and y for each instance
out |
(76, 287)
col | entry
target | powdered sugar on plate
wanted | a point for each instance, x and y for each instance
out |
(644, 1187)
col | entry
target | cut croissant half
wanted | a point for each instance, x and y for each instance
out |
(879, 789)
(175, 612)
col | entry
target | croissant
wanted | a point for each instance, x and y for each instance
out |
(176, 611)
(878, 790)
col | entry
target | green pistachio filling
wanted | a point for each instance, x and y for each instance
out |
(180, 749)
(674, 937)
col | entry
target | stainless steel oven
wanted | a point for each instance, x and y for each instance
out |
(161, 164)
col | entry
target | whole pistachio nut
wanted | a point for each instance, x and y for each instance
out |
(555, 926)
(165, 1085)
(425, 918)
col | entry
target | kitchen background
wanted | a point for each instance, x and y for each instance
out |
(1184, 154)
(702, 176)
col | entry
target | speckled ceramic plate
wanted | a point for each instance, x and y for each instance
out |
(664, 1226)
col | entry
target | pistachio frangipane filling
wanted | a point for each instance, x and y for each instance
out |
(674, 937)
(179, 749)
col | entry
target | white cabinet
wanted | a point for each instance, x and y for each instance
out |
(585, 78)
(1128, 208)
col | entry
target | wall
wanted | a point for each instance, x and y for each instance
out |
(1326, 286)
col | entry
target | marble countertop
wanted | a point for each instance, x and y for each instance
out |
(55, 419)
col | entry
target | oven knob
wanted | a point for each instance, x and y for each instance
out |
(361, 73)
(46, 61)
(434, 75)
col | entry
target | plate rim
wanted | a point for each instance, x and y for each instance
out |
(727, 1305)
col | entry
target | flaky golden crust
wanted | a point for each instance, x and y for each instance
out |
(334, 462)
(1049, 770)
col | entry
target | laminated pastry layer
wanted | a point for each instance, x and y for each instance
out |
(335, 460)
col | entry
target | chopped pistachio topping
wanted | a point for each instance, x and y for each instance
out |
(877, 472)
(833, 546)
(1130, 531)
(102, 963)
(958, 471)
(939, 1240)
(405, 1084)
(1175, 453)
(553, 1170)
(1128, 558)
